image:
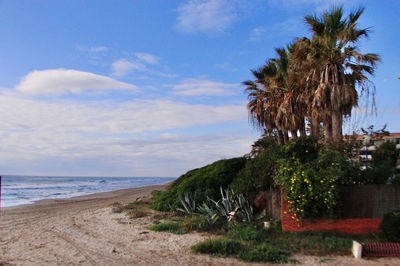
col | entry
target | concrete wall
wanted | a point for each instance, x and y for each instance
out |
(369, 201)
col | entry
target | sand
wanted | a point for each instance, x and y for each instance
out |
(84, 231)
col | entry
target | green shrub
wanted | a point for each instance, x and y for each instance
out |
(310, 192)
(312, 188)
(202, 183)
(201, 223)
(247, 233)
(305, 149)
(382, 167)
(219, 247)
(168, 227)
(390, 226)
(263, 253)
(257, 175)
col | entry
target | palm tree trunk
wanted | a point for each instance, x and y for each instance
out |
(315, 125)
(336, 126)
(285, 136)
(280, 137)
(293, 133)
(328, 131)
(302, 129)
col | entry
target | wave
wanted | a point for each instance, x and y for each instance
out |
(19, 190)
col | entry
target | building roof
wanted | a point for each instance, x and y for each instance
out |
(361, 136)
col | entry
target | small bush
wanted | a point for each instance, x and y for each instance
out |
(137, 214)
(194, 222)
(219, 247)
(168, 227)
(247, 233)
(201, 223)
(134, 209)
(390, 226)
(117, 207)
(305, 149)
(263, 253)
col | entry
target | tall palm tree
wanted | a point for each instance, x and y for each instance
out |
(264, 99)
(339, 68)
(302, 62)
(287, 117)
(275, 106)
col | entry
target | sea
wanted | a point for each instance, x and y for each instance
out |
(18, 190)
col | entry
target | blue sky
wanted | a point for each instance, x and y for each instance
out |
(152, 88)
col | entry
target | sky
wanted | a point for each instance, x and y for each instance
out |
(153, 88)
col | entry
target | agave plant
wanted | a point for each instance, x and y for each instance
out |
(209, 213)
(246, 209)
(231, 207)
(188, 204)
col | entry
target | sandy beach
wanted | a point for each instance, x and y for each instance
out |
(84, 231)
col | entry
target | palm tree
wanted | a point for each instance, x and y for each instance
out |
(339, 69)
(274, 98)
(290, 115)
(264, 100)
(302, 62)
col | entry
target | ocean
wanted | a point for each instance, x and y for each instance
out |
(18, 190)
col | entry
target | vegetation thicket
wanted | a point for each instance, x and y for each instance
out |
(305, 92)
(390, 226)
(202, 183)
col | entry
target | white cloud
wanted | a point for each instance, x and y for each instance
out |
(206, 16)
(195, 87)
(288, 26)
(257, 33)
(122, 67)
(317, 5)
(107, 117)
(98, 49)
(141, 62)
(108, 138)
(61, 81)
(148, 58)
(226, 67)
(94, 49)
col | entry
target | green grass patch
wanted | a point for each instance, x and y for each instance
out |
(255, 244)
(200, 223)
(134, 209)
(218, 247)
(247, 233)
(264, 253)
(313, 243)
(171, 227)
